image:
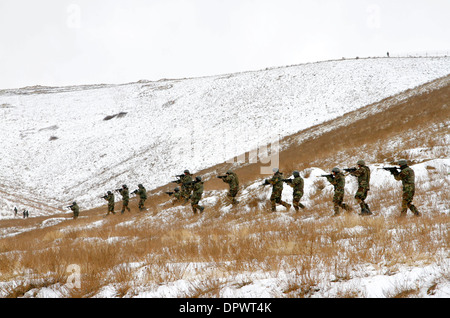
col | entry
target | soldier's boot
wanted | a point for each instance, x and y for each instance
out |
(286, 205)
(296, 208)
(301, 206)
(414, 210)
(336, 210)
(346, 207)
(364, 209)
(403, 213)
(194, 209)
(234, 201)
(202, 208)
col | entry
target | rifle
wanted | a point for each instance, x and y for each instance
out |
(350, 169)
(170, 193)
(325, 176)
(135, 191)
(69, 206)
(191, 182)
(288, 180)
(176, 181)
(266, 182)
(221, 177)
(179, 176)
(118, 190)
(392, 170)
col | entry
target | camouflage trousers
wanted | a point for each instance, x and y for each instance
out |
(275, 199)
(338, 200)
(141, 204)
(232, 195)
(125, 206)
(111, 208)
(360, 196)
(195, 204)
(296, 200)
(408, 195)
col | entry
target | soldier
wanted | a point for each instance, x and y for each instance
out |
(232, 179)
(75, 209)
(297, 184)
(277, 188)
(142, 193)
(125, 193)
(186, 185)
(406, 175)
(363, 175)
(337, 179)
(177, 195)
(197, 195)
(110, 198)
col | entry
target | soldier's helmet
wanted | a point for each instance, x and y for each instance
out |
(109, 192)
(177, 189)
(402, 162)
(140, 185)
(296, 173)
(186, 171)
(74, 203)
(275, 170)
(124, 186)
(336, 170)
(198, 178)
(361, 162)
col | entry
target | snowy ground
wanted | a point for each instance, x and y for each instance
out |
(426, 279)
(59, 145)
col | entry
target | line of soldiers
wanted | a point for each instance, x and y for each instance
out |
(337, 179)
(125, 193)
(192, 189)
(405, 174)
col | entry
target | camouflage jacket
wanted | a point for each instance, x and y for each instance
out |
(142, 193)
(232, 180)
(75, 208)
(338, 182)
(363, 175)
(198, 190)
(125, 193)
(406, 175)
(277, 181)
(297, 184)
(109, 198)
(184, 180)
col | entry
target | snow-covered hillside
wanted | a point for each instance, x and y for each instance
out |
(75, 143)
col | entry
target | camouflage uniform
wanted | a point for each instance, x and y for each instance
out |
(233, 181)
(142, 196)
(110, 198)
(125, 193)
(277, 188)
(197, 196)
(338, 181)
(363, 175)
(75, 209)
(406, 175)
(186, 185)
(297, 184)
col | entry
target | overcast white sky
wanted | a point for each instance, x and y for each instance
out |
(65, 42)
